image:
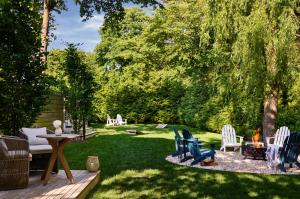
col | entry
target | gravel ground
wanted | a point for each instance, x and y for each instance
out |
(235, 162)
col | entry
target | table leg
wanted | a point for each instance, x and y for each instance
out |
(64, 161)
(47, 173)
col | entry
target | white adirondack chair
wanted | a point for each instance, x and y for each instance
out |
(274, 144)
(229, 138)
(120, 121)
(279, 137)
(109, 121)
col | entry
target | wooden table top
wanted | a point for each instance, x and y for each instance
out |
(58, 137)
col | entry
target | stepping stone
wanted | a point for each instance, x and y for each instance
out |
(133, 131)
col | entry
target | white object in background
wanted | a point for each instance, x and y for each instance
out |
(57, 126)
(68, 128)
(279, 137)
(161, 126)
(120, 121)
(272, 153)
(110, 122)
(229, 138)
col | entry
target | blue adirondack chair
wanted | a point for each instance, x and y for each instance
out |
(194, 146)
(198, 153)
(290, 151)
(178, 143)
(187, 137)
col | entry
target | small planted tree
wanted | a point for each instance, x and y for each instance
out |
(79, 88)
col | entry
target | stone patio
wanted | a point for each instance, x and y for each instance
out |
(235, 162)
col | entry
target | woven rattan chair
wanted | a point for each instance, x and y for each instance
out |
(14, 163)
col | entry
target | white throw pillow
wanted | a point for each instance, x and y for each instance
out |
(31, 134)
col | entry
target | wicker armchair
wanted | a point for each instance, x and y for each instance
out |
(40, 153)
(14, 163)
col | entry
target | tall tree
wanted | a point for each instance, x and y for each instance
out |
(267, 43)
(79, 88)
(136, 83)
(23, 84)
(114, 12)
(48, 6)
(223, 51)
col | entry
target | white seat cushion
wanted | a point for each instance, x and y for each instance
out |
(31, 134)
(37, 149)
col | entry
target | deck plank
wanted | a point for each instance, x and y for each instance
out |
(58, 186)
(55, 191)
(78, 188)
(63, 189)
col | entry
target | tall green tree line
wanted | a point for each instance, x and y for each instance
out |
(205, 63)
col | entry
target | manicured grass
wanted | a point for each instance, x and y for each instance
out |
(134, 166)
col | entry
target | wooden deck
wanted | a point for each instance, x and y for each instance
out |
(57, 187)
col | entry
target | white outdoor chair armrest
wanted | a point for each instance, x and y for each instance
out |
(241, 138)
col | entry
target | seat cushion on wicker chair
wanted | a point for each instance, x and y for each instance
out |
(18, 154)
(3, 148)
(31, 134)
(38, 149)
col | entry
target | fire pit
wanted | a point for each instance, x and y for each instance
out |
(254, 151)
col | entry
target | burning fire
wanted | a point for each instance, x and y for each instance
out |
(256, 138)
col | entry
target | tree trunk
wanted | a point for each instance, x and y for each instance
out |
(45, 29)
(270, 112)
(84, 129)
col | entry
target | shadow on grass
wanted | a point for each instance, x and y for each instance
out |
(135, 167)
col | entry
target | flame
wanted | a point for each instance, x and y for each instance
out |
(256, 138)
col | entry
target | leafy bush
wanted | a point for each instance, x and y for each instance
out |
(23, 84)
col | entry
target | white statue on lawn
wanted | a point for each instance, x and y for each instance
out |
(57, 126)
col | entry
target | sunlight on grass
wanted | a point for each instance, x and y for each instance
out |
(130, 178)
(220, 178)
(147, 173)
(134, 166)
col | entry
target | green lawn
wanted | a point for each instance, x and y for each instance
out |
(135, 167)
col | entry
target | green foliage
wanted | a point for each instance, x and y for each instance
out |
(23, 84)
(55, 70)
(289, 114)
(78, 89)
(204, 63)
(114, 9)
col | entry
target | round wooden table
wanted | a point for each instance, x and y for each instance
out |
(58, 143)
